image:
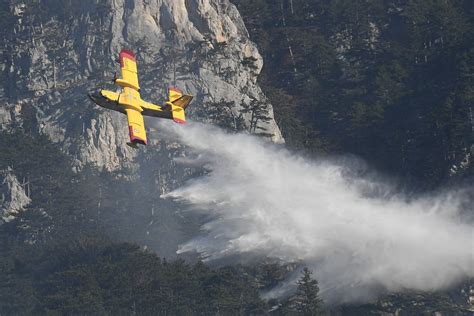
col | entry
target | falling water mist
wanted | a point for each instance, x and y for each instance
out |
(355, 233)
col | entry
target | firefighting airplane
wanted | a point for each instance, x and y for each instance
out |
(129, 102)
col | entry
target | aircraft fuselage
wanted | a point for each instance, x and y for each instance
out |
(104, 102)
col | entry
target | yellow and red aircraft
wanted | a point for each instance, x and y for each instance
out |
(129, 102)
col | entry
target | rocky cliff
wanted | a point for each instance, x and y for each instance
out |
(55, 52)
(13, 198)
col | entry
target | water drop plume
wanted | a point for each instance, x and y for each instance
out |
(356, 233)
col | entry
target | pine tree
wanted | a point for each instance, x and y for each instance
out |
(259, 112)
(306, 300)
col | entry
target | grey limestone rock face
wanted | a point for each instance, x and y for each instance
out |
(13, 198)
(5, 117)
(54, 56)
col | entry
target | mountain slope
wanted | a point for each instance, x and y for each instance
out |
(389, 81)
(56, 52)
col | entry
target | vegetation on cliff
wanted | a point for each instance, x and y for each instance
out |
(390, 81)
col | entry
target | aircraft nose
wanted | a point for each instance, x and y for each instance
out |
(94, 96)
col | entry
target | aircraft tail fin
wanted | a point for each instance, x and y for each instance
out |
(178, 102)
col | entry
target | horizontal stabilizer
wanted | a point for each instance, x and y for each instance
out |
(183, 101)
(178, 103)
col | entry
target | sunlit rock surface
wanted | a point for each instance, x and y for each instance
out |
(13, 197)
(51, 60)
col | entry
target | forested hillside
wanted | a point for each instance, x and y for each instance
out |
(390, 81)
(90, 276)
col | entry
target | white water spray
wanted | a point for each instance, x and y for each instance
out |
(264, 200)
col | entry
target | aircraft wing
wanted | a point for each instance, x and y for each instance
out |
(136, 127)
(128, 67)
